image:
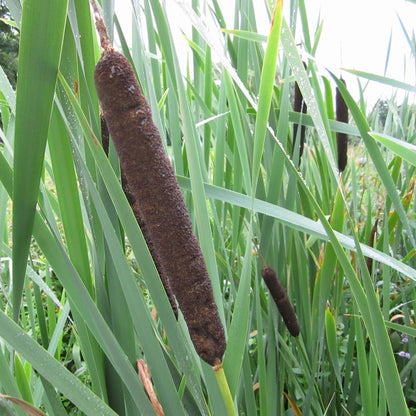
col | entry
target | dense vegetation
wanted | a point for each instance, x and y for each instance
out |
(83, 309)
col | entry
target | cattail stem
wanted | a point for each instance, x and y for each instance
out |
(225, 390)
(101, 28)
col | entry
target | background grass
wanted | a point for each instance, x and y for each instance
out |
(81, 299)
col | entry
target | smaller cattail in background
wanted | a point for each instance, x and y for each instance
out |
(342, 138)
(279, 296)
(281, 299)
(299, 106)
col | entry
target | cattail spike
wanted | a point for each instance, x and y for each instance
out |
(159, 201)
(299, 106)
(281, 300)
(342, 138)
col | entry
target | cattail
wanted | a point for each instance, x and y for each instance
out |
(159, 200)
(371, 244)
(299, 106)
(281, 299)
(342, 138)
(279, 296)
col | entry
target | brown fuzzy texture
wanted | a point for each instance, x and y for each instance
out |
(342, 138)
(162, 273)
(281, 299)
(105, 140)
(159, 201)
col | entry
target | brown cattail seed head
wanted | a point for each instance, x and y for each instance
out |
(281, 299)
(342, 138)
(159, 201)
(299, 106)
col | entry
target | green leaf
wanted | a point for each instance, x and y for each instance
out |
(266, 89)
(383, 80)
(331, 340)
(405, 150)
(246, 34)
(22, 380)
(43, 25)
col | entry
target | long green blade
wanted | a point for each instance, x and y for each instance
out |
(405, 150)
(43, 25)
(266, 90)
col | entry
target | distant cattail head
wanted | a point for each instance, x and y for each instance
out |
(299, 106)
(281, 299)
(342, 138)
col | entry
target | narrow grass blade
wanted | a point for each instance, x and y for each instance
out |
(236, 343)
(68, 197)
(383, 80)
(238, 127)
(52, 399)
(405, 150)
(331, 339)
(362, 366)
(22, 380)
(266, 90)
(246, 34)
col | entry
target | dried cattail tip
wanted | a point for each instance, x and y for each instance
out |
(281, 299)
(342, 138)
(101, 27)
(158, 201)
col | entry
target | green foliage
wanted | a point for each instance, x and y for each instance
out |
(81, 300)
